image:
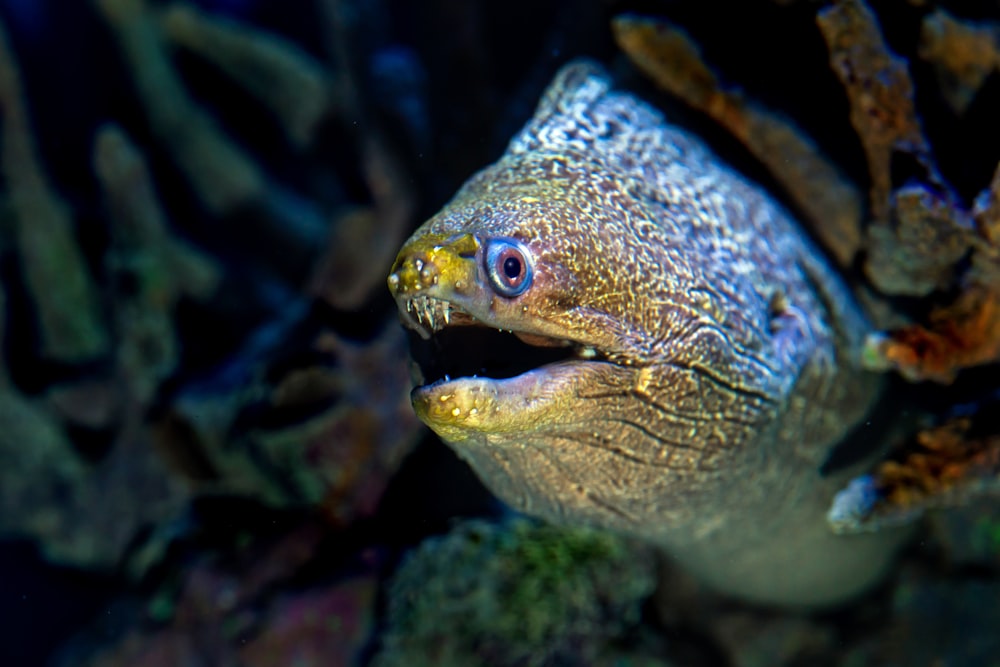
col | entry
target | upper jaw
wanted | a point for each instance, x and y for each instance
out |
(435, 282)
(427, 315)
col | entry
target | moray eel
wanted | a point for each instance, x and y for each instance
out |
(621, 331)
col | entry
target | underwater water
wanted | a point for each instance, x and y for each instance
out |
(701, 371)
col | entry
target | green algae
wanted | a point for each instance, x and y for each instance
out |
(520, 593)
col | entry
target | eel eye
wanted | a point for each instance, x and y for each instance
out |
(508, 265)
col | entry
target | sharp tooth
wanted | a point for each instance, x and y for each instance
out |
(421, 308)
(447, 314)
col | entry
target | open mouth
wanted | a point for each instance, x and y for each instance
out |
(447, 343)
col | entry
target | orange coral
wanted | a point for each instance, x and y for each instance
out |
(960, 335)
(947, 464)
(880, 91)
(942, 466)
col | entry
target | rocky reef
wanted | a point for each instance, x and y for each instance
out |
(207, 445)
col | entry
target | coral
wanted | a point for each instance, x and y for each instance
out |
(222, 612)
(926, 250)
(351, 426)
(39, 478)
(920, 252)
(921, 234)
(50, 493)
(291, 84)
(959, 335)
(880, 92)
(329, 431)
(919, 231)
(223, 175)
(962, 53)
(518, 594)
(831, 204)
(70, 322)
(943, 466)
(85, 514)
(200, 200)
(150, 270)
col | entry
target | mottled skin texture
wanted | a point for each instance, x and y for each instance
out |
(728, 350)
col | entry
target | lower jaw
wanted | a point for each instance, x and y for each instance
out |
(791, 560)
(455, 407)
(467, 408)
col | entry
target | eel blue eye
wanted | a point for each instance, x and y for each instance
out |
(508, 266)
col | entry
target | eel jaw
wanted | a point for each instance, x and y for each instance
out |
(452, 343)
(479, 384)
(478, 374)
(427, 315)
(433, 275)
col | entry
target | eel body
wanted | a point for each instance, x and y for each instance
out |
(695, 358)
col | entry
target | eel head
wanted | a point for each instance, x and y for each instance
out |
(537, 352)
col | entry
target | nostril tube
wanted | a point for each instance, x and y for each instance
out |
(434, 263)
(412, 273)
(429, 274)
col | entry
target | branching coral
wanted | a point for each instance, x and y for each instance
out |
(831, 204)
(921, 234)
(108, 310)
(70, 322)
(963, 55)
